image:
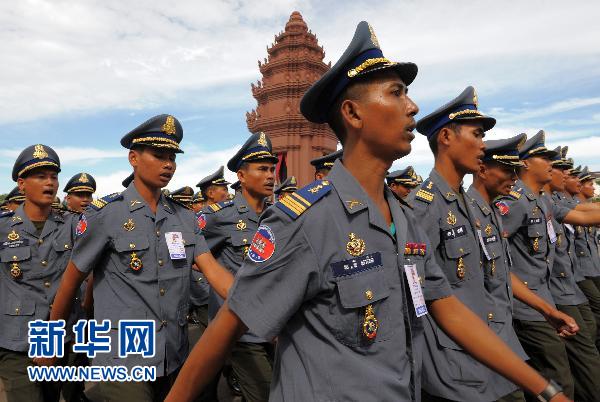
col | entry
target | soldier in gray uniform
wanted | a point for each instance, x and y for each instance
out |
(14, 199)
(527, 216)
(184, 196)
(323, 164)
(80, 190)
(236, 187)
(141, 245)
(289, 186)
(36, 242)
(228, 227)
(198, 202)
(455, 132)
(402, 181)
(340, 271)
(214, 187)
(587, 252)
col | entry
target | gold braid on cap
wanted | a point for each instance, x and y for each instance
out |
(366, 64)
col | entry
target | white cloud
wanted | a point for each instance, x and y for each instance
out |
(61, 56)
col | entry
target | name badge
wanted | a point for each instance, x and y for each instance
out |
(534, 221)
(415, 290)
(175, 245)
(14, 243)
(355, 265)
(551, 232)
(455, 232)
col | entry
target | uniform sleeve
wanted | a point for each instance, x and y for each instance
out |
(560, 209)
(428, 221)
(214, 237)
(267, 294)
(90, 241)
(513, 214)
(436, 284)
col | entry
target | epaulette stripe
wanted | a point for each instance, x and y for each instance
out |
(424, 195)
(515, 194)
(302, 200)
(293, 206)
(214, 207)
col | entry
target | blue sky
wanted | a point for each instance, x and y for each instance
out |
(78, 75)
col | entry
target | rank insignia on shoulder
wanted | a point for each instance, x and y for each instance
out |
(100, 203)
(296, 203)
(220, 205)
(515, 194)
(424, 195)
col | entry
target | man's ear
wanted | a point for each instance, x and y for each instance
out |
(21, 184)
(525, 165)
(134, 158)
(445, 136)
(351, 114)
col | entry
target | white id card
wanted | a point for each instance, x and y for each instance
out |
(415, 289)
(551, 232)
(175, 245)
(487, 254)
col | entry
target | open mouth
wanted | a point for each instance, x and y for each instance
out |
(49, 192)
(166, 176)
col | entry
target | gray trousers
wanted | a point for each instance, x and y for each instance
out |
(592, 292)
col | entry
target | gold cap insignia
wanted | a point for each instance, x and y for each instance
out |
(356, 246)
(262, 140)
(83, 178)
(293, 180)
(373, 36)
(475, 99)
(40, 152)
(169, 126)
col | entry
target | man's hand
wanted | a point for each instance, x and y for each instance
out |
(564, 324)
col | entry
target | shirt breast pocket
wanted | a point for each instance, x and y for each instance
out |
(355, 293)
(16, 260)
(240, 241)
(537, 240)
(457, 269)
(189, 243)
(133, 253)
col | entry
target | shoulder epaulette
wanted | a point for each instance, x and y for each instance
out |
(425, 193)
(296, 203)
(6, 214)
(219, 205)
(100, 203)
(515, 194)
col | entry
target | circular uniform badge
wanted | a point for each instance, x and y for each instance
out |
(263, 244)
(201, 221)
(502, 207)
(81, 225)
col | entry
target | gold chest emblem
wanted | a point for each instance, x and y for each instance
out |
(451, 219)
(536, 244)
(129, 225)
(241, 225)
(488, 230)
(356, 246)
(12, 236)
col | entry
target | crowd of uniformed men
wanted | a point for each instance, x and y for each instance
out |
(364, 285)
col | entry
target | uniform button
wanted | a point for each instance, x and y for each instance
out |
(461, 250)
(50, 306)
(162, 292)
(369, 294)
(199, 279)
(569, 252)
(160, 262)
(44, 263)
(40, 241)
(490, 316)
(562, 274)
(47, 284)
(480, 262)
(245, 240)
(14, 258)
(525, 283)
(158, 233)
(131, 245)
(17, 311)
(67, 246)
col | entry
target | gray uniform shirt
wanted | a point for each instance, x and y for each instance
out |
(563, 280)
(313, 295)
(42, 260)
(158, 291)
(586, 248)
(199, 289)
(449, 221)
(525, 216)
(496, 266)
(229, 228)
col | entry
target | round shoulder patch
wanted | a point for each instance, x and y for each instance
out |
(502, 207)
(201, 221)
(263, 244)
(81, 225)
